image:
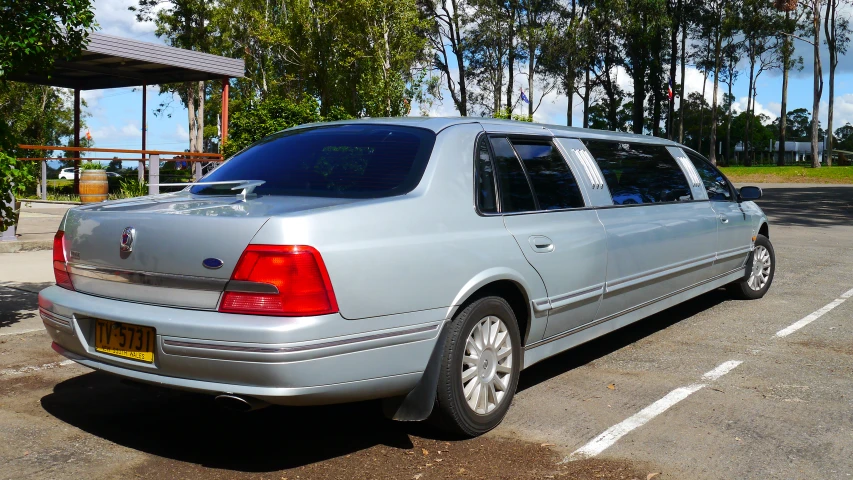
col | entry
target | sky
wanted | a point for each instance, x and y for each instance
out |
(115, 116)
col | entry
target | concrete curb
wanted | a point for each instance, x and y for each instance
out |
(25, 246)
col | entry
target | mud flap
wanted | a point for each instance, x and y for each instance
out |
(417, 405)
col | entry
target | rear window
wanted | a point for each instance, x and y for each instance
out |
(350, 161)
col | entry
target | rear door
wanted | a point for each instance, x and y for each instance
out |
(734, 240)
(545, 210)
(660, 238)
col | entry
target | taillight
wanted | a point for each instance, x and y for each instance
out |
(60, 271)
(299, 274)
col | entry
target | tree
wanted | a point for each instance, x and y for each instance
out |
(760, 43)
(644, 26)
(447, 38)
(723, 25)
(489, 46)
(813, 11)
(837, 31)
(536, 17)
(34, 36)
(787, 27)
(565, 52)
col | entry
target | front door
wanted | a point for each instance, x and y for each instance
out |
(734, 238)
(544, 209)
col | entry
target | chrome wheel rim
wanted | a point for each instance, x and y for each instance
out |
(487, 365)
(760, 274)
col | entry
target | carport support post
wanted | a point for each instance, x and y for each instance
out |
(141, 168)
(224, 119)
(154, 174)
(44, 179)
(76, 154)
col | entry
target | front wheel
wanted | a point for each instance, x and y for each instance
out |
(760, 269)
(480, 367)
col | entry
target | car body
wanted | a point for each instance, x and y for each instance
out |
(455, 212)
(68, 174)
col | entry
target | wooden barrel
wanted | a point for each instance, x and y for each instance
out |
(93, 186)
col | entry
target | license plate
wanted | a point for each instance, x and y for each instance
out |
(125, 340)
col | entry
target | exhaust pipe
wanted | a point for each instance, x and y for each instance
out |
(239, 404)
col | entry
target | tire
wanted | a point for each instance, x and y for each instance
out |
(760, 268)
(491, 369)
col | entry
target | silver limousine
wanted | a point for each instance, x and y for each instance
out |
(425, 262)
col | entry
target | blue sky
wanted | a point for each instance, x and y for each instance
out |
(115, 114)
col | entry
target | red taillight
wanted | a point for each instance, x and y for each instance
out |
(60, 271)
(299, 274)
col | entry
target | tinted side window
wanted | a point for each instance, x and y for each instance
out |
(515, 191)
(549, 174)
(485, 180)
(715, 182)
(637, 173)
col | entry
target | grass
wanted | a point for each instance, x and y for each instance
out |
(793, 174)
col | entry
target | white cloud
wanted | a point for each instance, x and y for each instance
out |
(741, 104)
(115, 19)
(181, 134)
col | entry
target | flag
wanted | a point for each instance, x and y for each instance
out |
(669, 90)
(88, 136)
(524, 97)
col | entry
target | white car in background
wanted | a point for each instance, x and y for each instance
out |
(68, 174)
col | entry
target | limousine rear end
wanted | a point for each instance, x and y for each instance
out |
(425, 262)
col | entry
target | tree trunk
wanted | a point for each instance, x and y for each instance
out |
(638, 114)
(783, 118)
(831, 39)
(673, 62)
(818, 83)
(510, 58)
(681, 90)
(748, 125)
(702, 111)
(586, 100)
(729, 123)
(570, 92)
(717, 65)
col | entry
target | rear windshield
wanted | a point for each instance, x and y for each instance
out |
(350, 161)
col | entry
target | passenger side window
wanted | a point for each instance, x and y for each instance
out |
(516, 195)
(486, 198)
(715, 183)
(638, 173)
(550, 176)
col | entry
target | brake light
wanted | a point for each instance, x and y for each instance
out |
(60, 270)
(299, 274)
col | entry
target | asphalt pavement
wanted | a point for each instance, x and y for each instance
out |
(713, 388)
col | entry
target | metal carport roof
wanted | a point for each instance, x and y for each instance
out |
(109, 62)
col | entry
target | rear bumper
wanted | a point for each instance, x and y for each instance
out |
(289, 361)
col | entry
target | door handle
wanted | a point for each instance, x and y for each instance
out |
(541, 244)
(723, 218)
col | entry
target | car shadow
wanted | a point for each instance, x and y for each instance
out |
(18, 303)
(191, 428)
(808, 206)
(607, 344)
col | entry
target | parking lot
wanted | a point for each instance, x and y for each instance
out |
(713, 388)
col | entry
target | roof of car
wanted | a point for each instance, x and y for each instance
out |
(437, 124)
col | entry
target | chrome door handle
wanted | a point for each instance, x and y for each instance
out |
(723, 218)
(541, 244)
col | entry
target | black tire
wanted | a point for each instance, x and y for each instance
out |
(451, 411)
(742, 289)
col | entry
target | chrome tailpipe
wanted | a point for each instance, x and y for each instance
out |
(237, 403)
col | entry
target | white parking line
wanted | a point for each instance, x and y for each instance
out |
(21, 332)
(814, 315)
(614, 433)
(46, 366)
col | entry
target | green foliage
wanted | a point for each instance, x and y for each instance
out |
(13, 180)
(90, 165)
(131, 187)
(34, 34)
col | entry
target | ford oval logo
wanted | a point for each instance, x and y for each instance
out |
(212, 263)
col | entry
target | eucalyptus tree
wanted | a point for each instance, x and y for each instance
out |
(536, 22)
(675, 10)
(761, 46)
(447, 36)
(721, 20)
(487, 56)
(788, 19)
(566, 50)
(812, 27)
(837, 31)
(644, 24)
(604, 33)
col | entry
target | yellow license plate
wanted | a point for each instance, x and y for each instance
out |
(125, 340)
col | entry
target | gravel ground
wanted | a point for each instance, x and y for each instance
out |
(785, 412)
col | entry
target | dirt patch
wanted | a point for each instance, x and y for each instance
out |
(842, 348)
(427, 459)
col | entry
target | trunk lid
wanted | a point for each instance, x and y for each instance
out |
(172, 236)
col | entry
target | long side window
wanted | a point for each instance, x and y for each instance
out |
(715, 183)
(516, 195)
(552, 180)
(638, 173)
(485, 180)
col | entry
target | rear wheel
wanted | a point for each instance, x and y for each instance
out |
(760, 269)
(480, 367)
